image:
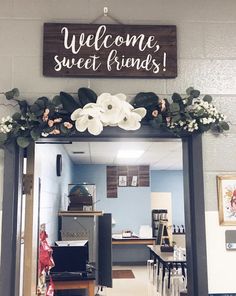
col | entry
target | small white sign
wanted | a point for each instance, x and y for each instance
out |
(134, 181)
(122, 180)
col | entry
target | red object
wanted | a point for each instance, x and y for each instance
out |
(45, 253)
(45, 261)
(50, 289)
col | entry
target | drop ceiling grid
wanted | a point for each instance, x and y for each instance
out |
(159, 155)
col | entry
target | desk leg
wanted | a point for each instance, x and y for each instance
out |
(91, 288)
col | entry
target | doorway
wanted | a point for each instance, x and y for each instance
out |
(194, 205)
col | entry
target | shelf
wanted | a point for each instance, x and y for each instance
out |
(80, 213)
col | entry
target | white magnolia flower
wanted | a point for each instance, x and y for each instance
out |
(132, 119)
(114, 106)
(88, 118)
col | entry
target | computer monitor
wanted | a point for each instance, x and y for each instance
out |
(70, 258)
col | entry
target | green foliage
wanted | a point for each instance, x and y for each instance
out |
(176, 98)
(145, 99)
(68, 102)
(207, 98)
(3, 138)
(23, 142)
(86, 95)
(12, 94)
(188, 114)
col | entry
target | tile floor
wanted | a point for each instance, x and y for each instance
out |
(139, 286)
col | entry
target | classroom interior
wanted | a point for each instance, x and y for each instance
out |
(138, 185)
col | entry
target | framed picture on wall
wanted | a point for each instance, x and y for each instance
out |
(122, 180)
(227, 199)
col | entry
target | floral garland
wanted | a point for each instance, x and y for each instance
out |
(67, 115)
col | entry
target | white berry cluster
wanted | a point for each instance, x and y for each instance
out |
(6, 125)
(210, 113)
(201, 112)
(189, 125)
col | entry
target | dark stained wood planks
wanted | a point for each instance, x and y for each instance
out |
(88, 50)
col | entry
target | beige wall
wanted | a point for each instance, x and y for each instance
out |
(1, 191)
(206, 60)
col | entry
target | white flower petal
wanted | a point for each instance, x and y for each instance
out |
(90, 105)
(141, 111)
(130, 122)
(121, 97)
(94, 112)
(112, 118)
(127, 106)
(102, 97)
(95, 126)
(81, 124)
(76, 114)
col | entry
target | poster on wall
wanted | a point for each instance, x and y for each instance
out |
(227, 199)
(88, 50)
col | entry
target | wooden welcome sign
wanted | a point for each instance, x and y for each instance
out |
(72, 50)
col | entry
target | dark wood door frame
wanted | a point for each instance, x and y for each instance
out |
(193, 195)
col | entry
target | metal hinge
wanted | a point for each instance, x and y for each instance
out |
(27, 183)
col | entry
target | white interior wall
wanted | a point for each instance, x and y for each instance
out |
(54, 189)
(206, 60)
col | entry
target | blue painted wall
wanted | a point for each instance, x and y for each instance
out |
(132, 208)
(171, 181)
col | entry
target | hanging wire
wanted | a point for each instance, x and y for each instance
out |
(106, 14)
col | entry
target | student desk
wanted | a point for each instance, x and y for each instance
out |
(88, 284)
(131, 250)
(133, 241)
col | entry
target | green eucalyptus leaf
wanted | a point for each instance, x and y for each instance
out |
(33, 117)
(23, 142)
(11, 94)
(41, 103)
(174, 107)
(16, 130)
(145, 99)
(16, 116)
(176, 98)
(187, 115)
(35, 134)
(57, 101)
(224, 125)
(207, 98)
(86, 95)
(35, 108)
(189, 101)
(204, 127)
(159, 119)
(189, 90)
(16, 92)
(3, 138)
(155, 123)
(200, 112)
(195, 93)
(23, 107)
(39, 113)
(68, 102)
(64, 130)
(176, 118)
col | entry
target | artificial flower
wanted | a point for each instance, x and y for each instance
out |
(45, 115)
(55, 132)
(132, 119)
(68, 125)
(114, 107)
(88, 118)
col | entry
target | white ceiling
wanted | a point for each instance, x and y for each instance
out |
(159, 155)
